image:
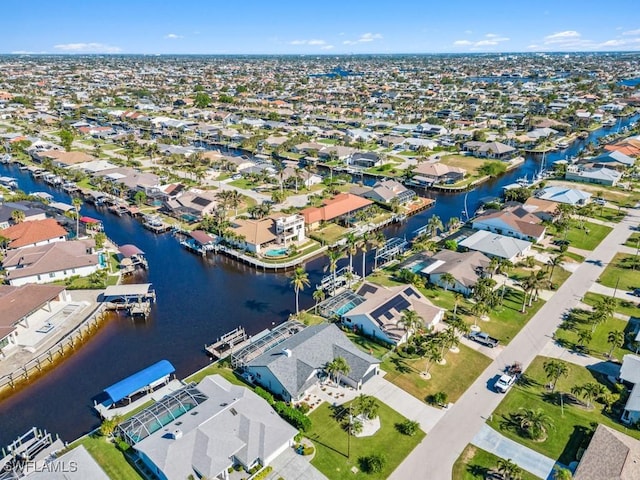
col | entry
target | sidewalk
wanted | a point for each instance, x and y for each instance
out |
(531, 461)
(553, 350)
(621, 294)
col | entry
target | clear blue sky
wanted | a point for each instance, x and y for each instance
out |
(317, 26)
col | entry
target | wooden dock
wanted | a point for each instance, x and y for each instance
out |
(224, 345)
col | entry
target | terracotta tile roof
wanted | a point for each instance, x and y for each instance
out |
(28, 233)
(341, 204)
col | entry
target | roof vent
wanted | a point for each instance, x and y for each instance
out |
(286, 352)
(176, 434)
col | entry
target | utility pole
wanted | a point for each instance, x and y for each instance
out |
(616, 289)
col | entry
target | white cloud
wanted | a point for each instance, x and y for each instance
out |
(632, 32)
(26, 52)
(533, 46)
(326, 47)
(312, 42)
(490, 40)
(91, 47)
(173, 36)
(562, 37)
(364, 38)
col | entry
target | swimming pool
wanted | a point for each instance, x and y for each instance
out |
(276, 252)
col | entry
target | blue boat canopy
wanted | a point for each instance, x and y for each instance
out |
(139, 380)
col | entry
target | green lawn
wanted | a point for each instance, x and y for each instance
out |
(620, 273)
(608, 214)
(331, 443)
(310, 318)
(624, 307)
(221, 368)
(453, 378)
(328, 234)
(476, 464)
(570, 429)
(372, 348)
(633, 241)
(586, 238)
(567, 334)
(112, 460)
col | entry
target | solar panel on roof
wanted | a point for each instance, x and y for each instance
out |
(367, 288)
(397, 303)
(203, 202)
(410, 292)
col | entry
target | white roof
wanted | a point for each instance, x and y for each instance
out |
(123, 290)
(630, 370)
(496, 245)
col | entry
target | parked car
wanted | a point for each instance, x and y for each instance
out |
(508, 378)
(636, 292)
(561, 242)
(484, 339)
(237, 176)
(600, 201)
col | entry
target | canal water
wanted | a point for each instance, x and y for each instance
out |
(197, 301)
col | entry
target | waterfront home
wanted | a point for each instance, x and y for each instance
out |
(545, 210)
(130, 180)
(514, 221)
(254, 235)
(75, 464)
(420, 143)
(569, 196)
(29, 213)
(496, 245)
(437, 173)
(52, 262)
(206, 430)
(599, 176)
(27, 308)
(34, 233)
(339, 208)
(290, 368)
(494, 150)
(611, 454)
(61, 158)
(386, 192)
(298, 178)
(630, 376)
(628, 146)
(380, 314)
(466, 268)
(192, 204)
(364, 159)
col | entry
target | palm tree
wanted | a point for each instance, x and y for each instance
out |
(411, 321)
(560, 473)
(554, 262)
(527, 288)
(452, 223)
(431, 352)
(334, 255)
(589, 391)
(17, 216)
(363, 248)
(493, 265)
(338, 366)
(352, 248)
(318, 296)
(457, 298)
(433, 225)
(534, 423)
(365, 405)
(508, 469)
(77, 204)
(378, 241)
(554, 370)
(299, 281)
(584, 337)
(616, 339)
(448, 280)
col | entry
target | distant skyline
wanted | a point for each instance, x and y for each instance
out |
(328, 27)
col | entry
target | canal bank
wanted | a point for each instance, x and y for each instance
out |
(198, 299)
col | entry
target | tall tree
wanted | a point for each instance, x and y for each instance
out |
(616, 339)
(589, 392)
(364, 241)
(17, 216)
(411, 321)
(448, 280)
(554, 370)
(433, 225)
(554, 262)
(334, 254)
(534, 423)
(508, 469)
(77, 204)
(318, 296)
(378, 241)
(300, 280)
(352, 248)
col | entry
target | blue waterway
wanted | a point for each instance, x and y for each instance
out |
(198, 300)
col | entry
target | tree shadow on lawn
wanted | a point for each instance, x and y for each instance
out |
(480, 471)
(402, 366)
(574, 318)
(579, 440)
(527, 381)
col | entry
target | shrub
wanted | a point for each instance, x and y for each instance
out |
(408, 427)
(373, 463)
(261, 392)
(303, 407)
(307, 450)
(122, 445)
(293, 416)
(264, 473)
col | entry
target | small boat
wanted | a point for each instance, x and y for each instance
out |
(562, 145)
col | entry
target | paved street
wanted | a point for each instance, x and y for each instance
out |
(434, 457)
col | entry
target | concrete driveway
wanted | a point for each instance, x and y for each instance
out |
(292, 466)
(402, 402)
(531, 461)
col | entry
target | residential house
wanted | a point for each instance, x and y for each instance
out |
(341, 207)
(254, 235)
(545, 210)
(298, 178)
(34, 233)
(364, 159)
(30, 213)
(613, 159)
(290, 368)
(206, 430)
(496, 245)
(569, 196)
(465, 267)
(628, 146)
(495, 150)
(433, 173)
(514, 222)
(380, 315)
(51, 262)
(75, 464)
(611, 455)
(420, 143)
(194, 203)
(387, 192)
(630, 376)
(599, 176)
(60, 158)
(23, 308)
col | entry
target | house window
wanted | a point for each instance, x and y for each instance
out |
(52, 275)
